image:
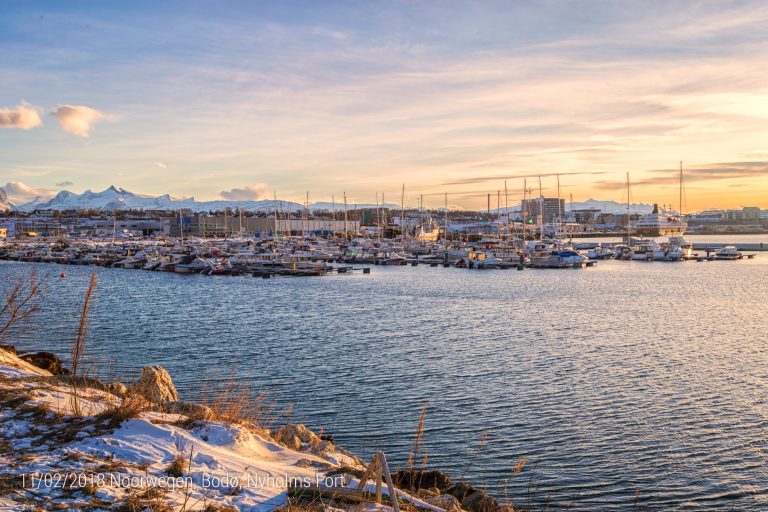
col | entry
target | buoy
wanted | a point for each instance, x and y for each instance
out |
(61, 275)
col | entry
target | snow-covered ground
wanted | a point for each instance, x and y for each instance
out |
(51, 458)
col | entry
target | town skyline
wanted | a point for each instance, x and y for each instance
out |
(245, 100)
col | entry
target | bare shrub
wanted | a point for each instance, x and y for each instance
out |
(19, 302)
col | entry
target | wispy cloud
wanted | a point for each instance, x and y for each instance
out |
(699, 173)
(500, 178)
(66, 183)
(77, 119)
(23, 117)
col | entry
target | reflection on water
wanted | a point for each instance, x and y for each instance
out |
(625, 383)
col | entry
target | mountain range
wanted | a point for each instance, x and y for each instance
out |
(114, 198)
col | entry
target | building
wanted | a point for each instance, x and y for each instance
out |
(553, 208)
(218, 226)
(750, 213)
(585, 215)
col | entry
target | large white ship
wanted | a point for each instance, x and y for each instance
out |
(660, 222)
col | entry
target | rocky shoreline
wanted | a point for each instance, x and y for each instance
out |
(142, 430)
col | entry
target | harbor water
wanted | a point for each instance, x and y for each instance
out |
(627, 384)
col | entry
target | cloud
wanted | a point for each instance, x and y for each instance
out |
(697, 173)
(77, 119)
(24, 117)
(499, 178)
(161, 165)
(246, 193)
(65, 184)
(20, 193)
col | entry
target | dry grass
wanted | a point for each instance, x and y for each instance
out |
(212, 507)
(151, 499)
(236, 402)
(78, 347)
(127, 407)
(418, 440)
(520, 465)
(480, 446)
(176, 467)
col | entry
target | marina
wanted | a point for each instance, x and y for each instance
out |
(470, 256)
(316, 256)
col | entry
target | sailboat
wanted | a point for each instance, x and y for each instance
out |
(624, 251)
(676, 248)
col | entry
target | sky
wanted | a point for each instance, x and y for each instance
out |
(245, 100)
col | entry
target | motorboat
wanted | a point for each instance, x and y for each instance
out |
(729, 252)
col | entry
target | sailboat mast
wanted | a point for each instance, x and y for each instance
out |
(446, 218)
(559, 210)
(629, 221)
(524, 209)
(403, 227)
(274, 234)
(333, 215)
(506, 209)
(541, 212)
(498, 213)
(378, 219)
(421, 216)
(346, 219)
(680, 192)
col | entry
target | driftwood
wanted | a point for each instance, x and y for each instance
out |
(333, 493)
(378, 470)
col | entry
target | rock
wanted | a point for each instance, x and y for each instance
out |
(445, 501)
(325, 446)
(460, 490)
(293, 443)
(156, 385)
(194, 411)
(46, 361)
(307, 463)
(428, 493)
(117, 388)
(479, 501)
(416, 479)
(8, 348)
(295, 436)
